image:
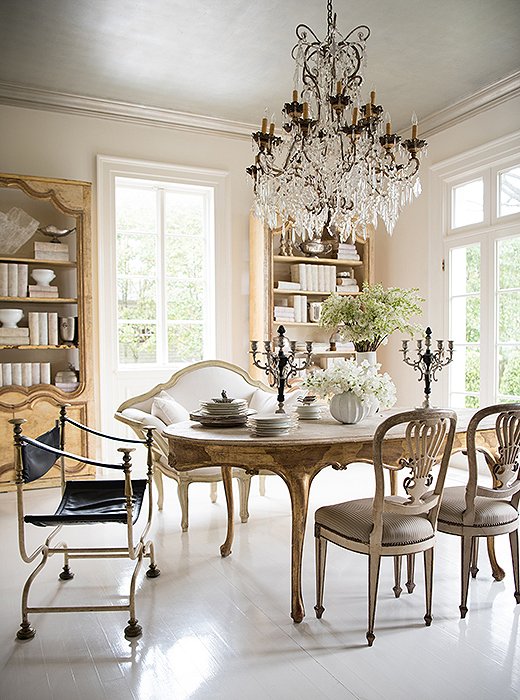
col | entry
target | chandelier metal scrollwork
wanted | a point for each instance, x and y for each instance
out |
(338, 166)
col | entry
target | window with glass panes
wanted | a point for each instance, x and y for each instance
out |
(164, 257)
(483, 264)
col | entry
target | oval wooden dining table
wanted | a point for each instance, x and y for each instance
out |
(297, 457)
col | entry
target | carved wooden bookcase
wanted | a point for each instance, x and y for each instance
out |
(64, 204)
(267, 267)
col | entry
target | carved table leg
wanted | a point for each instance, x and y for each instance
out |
(225, 549)
(299, 486)
(498, 572)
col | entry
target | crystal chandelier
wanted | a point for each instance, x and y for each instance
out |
(338, 166)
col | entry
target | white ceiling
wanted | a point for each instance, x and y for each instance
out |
(231, 58)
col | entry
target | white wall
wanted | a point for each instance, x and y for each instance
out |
(58, 145)
(403, 259)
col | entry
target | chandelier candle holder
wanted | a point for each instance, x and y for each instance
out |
(338, 166)
(279, 363)
(428, 363)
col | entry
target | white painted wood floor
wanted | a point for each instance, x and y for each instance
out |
(220, 628)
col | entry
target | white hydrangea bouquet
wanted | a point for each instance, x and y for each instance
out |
(363, 380)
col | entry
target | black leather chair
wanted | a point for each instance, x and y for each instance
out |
(83, 502)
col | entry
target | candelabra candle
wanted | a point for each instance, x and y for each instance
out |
(428, 363)
(280, 364)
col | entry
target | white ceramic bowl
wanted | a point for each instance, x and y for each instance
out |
(10, 317)
(43, 277)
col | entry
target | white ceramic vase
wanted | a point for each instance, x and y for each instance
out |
(9, 317)
(371, 357)
(43, 277)
(347, 408)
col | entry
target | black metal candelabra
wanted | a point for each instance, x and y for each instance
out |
(279, 364)
(428, 363)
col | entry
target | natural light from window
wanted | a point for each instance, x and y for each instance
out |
(164, 252)
(509, 192)
(468, 203)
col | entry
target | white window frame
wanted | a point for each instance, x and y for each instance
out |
(486, 161)
(108, 169)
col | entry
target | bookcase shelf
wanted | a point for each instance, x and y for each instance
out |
(298, 292)
(38, 347)
(64, 204)
(39, 300)
(267, 268)
(39, 263)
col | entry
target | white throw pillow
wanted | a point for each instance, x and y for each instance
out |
(168, 410)
(143, 417)
(264, 402)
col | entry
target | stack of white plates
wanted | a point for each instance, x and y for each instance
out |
(236, 407)
(269, 425)
(311, 411)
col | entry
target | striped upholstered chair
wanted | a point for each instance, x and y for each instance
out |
(475, 511)
(391, 526)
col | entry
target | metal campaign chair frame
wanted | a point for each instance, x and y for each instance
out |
(83, 502)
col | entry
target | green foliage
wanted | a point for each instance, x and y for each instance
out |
(509, 263)
(370, 317)
(472, 374)
(185, 342)
(509, 372)
(137, 343)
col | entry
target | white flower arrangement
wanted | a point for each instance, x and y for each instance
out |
(363, 380)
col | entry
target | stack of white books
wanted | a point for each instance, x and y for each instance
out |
(288, 286)
(346, 284)
(24, 373)
(314, 278)
(44, 250)
(43, 328)
(284, 313)
(14, 336)
(347, 251)
(13, 279)
(43, 291)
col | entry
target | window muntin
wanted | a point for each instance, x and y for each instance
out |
(164, 253)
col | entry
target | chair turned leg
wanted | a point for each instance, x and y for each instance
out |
(182, 491)
(466, 547)
(261, 484)
(244, 486)
(321, 560)
(158, 478)
(428, 584)
(410, 572)
(213, 491)
(513, 542)
(374, 561)
(474, 558)
(397, 577)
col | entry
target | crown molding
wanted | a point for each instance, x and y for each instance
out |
(490, 96)
(36, 98)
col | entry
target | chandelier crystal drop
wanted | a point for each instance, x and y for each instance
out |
(338, 166)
